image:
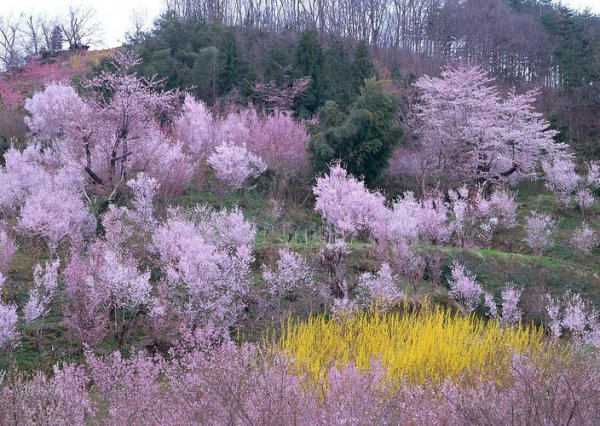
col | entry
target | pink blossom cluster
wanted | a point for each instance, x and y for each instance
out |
(477, 216)
(346, 205)
(471, 217)
(104, 278)
(585, 199)
(45, 196)
(468, 133)
(584, 239)
(9, 334)
(8, 249)
(45, 281)
(113, 134)
(539, 230)
(380, 289)
(276, 138)
(511, 296)
(208, 254)
(464, 288)
(574, 314)
(52, 113)
(195, 128)
(235, 165)
(291, 274)
(561, 178)
(564, 182)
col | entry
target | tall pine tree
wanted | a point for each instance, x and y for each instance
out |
(309, 63)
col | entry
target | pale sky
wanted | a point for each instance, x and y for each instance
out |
(593, 5)
(115, 15)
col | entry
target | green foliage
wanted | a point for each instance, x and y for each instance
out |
(362, 67)
(212, 60)
(229, 63)
(337, 78)
(309, 63)
(574, 49)
(364, 138)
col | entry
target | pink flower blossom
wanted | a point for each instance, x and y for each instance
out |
(464, 288)
(290, 275)
(234, 164)
(539, 231)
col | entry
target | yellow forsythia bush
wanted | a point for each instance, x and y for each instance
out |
(429, 345)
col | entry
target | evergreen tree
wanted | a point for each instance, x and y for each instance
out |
(56, 40)
(229, 63)
(362, 67)
(337, 76)
(364, 138)
(275, 65)
(309, 63)
(206, 73)
(573, 51)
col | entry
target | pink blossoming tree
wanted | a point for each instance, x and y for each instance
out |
(470, 134)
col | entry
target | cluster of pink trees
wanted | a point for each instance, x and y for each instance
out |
(469, 295)
(470, 217)
(573, 314)
(208, 379)
(208, 254)
(567, 185)
(242, 144)
(126, 141)
(45, 197)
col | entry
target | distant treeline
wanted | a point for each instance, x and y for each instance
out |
(221, 48)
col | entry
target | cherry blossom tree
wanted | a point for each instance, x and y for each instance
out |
(477, 216)
(100, 281)
(115, 132)
(584, 239)
(511, 295)
(195, 127)
(55, 112)
(379, 290)
(464, 288)
(539, 230)
(84, 302)
(206, 254)
(29, 171)
(291, 274)
(55, 215)
(8, 249)
(574, 314)
(45, 197)
(346, 205)
(561, 178)
(45, 285)
(585, 199)
(472, 135)
(278, 139)
(235, 165)
(8, 322)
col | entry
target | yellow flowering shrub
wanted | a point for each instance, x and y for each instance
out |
(430, 345)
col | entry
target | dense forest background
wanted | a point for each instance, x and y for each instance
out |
(221, 49)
